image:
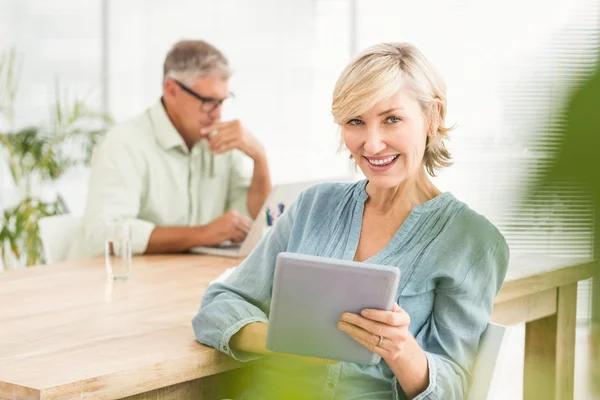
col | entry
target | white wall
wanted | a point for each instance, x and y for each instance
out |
(279, 76)
(501, 61)
(58, 40)
(508, 65)
(285, 55)
(59, 43)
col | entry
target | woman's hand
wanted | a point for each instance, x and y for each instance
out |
(383, 332)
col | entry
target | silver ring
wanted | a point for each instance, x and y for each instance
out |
(213, 133)
(380, 340)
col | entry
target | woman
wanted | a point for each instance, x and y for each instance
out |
(390, 104)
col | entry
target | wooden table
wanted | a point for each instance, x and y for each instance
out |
(66, 333)
(542, 292)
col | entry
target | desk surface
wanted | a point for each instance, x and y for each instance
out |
(67, 333)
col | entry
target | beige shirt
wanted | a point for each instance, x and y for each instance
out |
(143, 172)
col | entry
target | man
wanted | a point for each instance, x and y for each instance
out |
(176, 172)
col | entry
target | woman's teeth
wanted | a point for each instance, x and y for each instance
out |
(384, 161)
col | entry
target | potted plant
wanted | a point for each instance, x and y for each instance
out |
(35, 156)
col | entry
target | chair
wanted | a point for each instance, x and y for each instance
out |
(488, 358)
(57, 233)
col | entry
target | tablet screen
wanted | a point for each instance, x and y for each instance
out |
(310, 293)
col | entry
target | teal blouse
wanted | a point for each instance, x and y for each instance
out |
(452, 260)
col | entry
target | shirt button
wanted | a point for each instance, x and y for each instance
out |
(331, 385)
(224, 348)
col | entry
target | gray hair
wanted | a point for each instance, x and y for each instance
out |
(190, 59)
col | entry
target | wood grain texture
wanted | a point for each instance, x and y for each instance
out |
(10, 391)
(534, 274)
(566, 326)
(67, 333)
(550, 351)
(540, 359)
(525, 309)
(215, 387)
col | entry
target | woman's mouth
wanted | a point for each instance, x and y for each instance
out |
(382, 163)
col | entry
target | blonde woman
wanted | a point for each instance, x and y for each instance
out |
(390, 104)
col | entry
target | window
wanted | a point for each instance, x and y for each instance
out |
(508, 66)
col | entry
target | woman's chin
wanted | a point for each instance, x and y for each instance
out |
(384, 181)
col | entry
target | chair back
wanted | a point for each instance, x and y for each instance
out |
(57, 233)
(487, 361)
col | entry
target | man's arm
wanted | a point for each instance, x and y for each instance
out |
(232, 135)
(117, 186)
(175, 239)
(260, 186)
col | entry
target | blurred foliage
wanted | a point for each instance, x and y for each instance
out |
(39, 154)
(19, 229)
(576, 162)
(10, 66)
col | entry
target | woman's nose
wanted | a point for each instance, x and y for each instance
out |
(374, 142)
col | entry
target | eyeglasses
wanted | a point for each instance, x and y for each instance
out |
(208, 103)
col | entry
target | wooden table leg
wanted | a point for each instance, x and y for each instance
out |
(549, 370)
(214, 387)
(594, 374)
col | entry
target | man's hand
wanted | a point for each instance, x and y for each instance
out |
(229, 226)
(226, 136)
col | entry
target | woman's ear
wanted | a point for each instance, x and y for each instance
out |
(434, 119)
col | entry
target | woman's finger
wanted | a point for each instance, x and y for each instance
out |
(374, 327)
(359, 333)
(373, 347)
(396, 317)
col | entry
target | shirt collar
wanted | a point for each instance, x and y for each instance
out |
(166, 134)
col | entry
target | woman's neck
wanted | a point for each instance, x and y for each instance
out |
(409, 193)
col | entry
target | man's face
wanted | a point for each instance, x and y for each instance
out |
(196, 106)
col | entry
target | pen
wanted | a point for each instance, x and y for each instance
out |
(269, 218)
(281, 207)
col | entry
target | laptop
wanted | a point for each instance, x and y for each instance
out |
(284, 194)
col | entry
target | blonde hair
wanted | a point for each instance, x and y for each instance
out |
(379, 73)
(190, 59)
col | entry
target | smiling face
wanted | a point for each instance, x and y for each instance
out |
(388, 141)
(390, 103)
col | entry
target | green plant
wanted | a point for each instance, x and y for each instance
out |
(20, 229)
(39, 154)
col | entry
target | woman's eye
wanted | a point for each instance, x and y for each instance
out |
(392, 120)
(355, 122)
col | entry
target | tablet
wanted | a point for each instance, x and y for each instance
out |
(310, 294)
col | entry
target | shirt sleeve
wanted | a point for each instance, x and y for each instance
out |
(459, 318)
(245, 296)
(239, 183)
(115, 191)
